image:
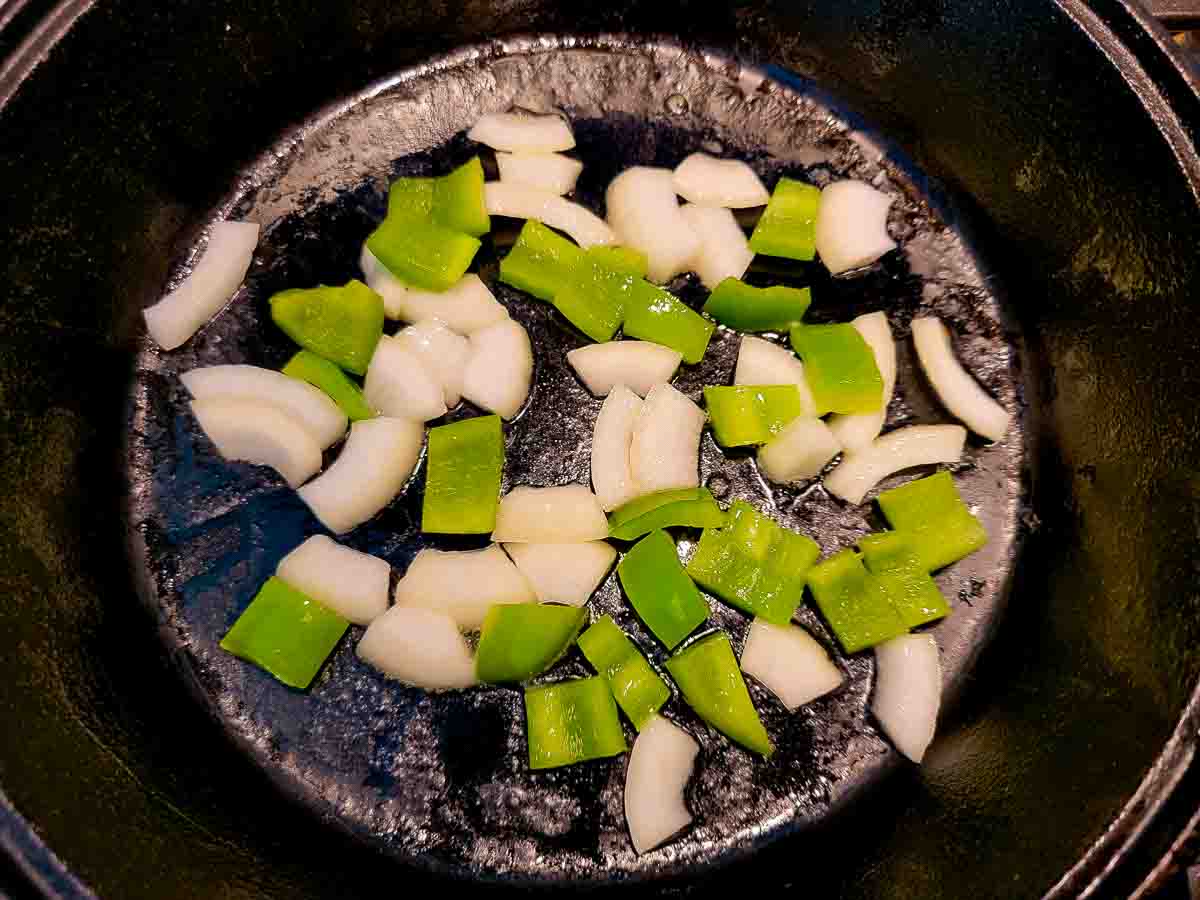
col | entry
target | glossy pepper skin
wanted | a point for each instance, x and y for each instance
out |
(855, 604)
(462, 481)
(422, 253)
(745, 415)
(595, 294)
(687, 507)
(840, 368)
(329, 378)
(747, 308)
(341, 324)
(894, 563)
(656, 315)
(571, 721)
(637, 688)
(659, 590)
(521, 640)
(540, 261)
(788, 226)
(938, 524)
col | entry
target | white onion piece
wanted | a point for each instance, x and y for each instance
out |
(665, 450)
(399, 384)
(523, 133)
(789, 663)
(421, 647)
(551, 172)
(724, 251)
(913, 445)
(212, 282)
(639, 365)
(855, 431)
(443, 351)
(465, 307)
(569, 514)
(322, 418)
(852, 226)
(799, 452)
(353, 584)
(612, 478)
(563, 573)
(761, 362)
(908, 691)
(463, 584)
(262, 434)
(660, 764)
(372, 467)
(516, 201)
(958, 391)
(499, 371)
(710, 181)
(644, 212)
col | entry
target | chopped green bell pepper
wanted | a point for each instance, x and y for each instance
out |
(458, 202)
(595, 293)
(324, 375)
(855, 604)
(422, 253)
(521, 640)
(747, 308)
(660, 591)
(638, 689)
(788, 226)
(893, 562)
(687, 507)
(411, 198)
(624, 260)
(751, 414)
(657, 315)
(840, 368)
(937, 522)
(342, 324)
(571, 721)
(462, 483)
(541, 261)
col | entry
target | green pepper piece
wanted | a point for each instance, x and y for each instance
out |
(638, 689)
(687, 507)
(624, 260)
(855, 604)
(747, 308)
(570, 722)
(788, 226)
(755, 564)
(458, 201)
(751, 414)
(324, 375)
(708, 675)
(594, 295)
(891, 559)
(521, 640)
(422, 253)
(285, 632)
(342, 324)
(937, 522)
(840, 368)
(411, 198)
(660, 591)
(541, 261)
(657, 315)
(462, 481)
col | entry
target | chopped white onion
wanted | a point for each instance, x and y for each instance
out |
(353, 584)
(499, 371)
(421, 647)
(569, 514)
(789, 663)
(262, 434)
(908, 691)
(443, 351)
(958, 391)
(399, 384)
(523, 133)
(639, 365)
(644, 212)
(551, 172)
(213, 281)
(612, 478)
(761, 362)
(463, 584)
(466, 307)
(660, 764)
(710, 181)
(665, 450)
(724, 251)
(563, 573)
(799, 452)
(852, 226)
(372, 467)
(516, 201)
(913, 445)
(857, 430)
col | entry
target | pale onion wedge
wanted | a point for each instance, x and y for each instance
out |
(443, 351)
(262, 434)
(664, 452)
(660, 765)
(400, 385)
(516, 201)
(563, 573)
(913, 445)
(551, 172)
(523, 133)
(569, 514)
(463, 584)
(851, 227)
(908, 691)
(612, 478)
(319, 415)
(958, 391)
(372, 467)
(710, 181)
(353, 584)
(465, 308)
(499, 371)
(724, 251)
(421, 647)
(762, 362)
(799, 452)
(213, 281)
(789, 663)
(644, 212)
(639, 365)
(856, 431)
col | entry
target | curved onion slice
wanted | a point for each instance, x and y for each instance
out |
(463, 584)
(799, 452)
(665, 450)
(908, 691)
(551, 172)
(499, 370)
(856, 431)
(914, 445)
(789, 663)
(957, 390)
(213, 281)
(569, 514)
(399, 384)
(322, 418)
(563, 573)
(710, 181)
(724, 251)
(523, 133)
(421, 647)
(443, 352)
(375, 461)
(261, 434)
(516, 201)
(643, 211)
(353, 584)
(612, 478)
(852, 226)
(639, 365)
(659, 767)
(761, 362)
(465, 307)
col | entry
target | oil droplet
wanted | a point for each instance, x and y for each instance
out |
(677, 104)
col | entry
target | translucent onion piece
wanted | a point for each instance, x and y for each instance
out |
(762, 362)
(644, 212)
(852, 226)
(463, 584)
(420, 647)
(914, 445)
(724, 251)
(612, 477)
(262, 434)
(523, 133)
(789, 663)
(443, 351)
(660, 764)
(710, 181)
(563, 573)
(399, 384)
(352, 584)
(569, 514)
(551, 172)
(908, 691)
(639, 365)
(665, 450)
(957, 390)
(799, 452)
(856, 431)
(506, 198)
(465, 308)
(499, 371)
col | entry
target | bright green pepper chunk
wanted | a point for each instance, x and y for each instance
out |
(937, 522)
(788, 226)
(624, 260)
(458, 201)
(840, 368)
(687, 507)
(855, 604)
(285, 632)
(521, 640)
(747, 308)
(541, 261)
(660, 591)
(324, 375)
(594, 295)
(751, 414)
(754, 564)
(657, 315)
(422, 253)
(571, 721)
(708, 675)
(411, 197)
(462, 484)
(891, 559)
(638, 689)
(342, 324)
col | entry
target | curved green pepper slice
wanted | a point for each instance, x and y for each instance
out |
(745, 414)
(747, 308)
(325, 376)
(342, 324)
(685, 507)
(521, 640)
(638, 689)
(659, 590)
(571, 721)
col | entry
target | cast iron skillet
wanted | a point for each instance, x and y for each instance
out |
(1092, 264)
